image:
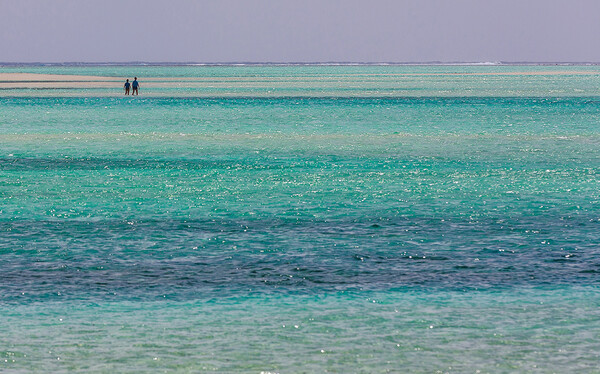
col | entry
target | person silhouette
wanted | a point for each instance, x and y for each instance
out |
(127, 84)
(135, 84)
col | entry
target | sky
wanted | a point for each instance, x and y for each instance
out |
(299, 30)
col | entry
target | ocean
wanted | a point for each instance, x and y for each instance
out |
(301, 219)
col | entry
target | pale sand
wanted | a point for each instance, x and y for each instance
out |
(30, 80)
(8, 80)
(18, 81)
(31, 77)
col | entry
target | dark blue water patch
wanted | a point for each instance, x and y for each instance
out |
(92, 163)
(289, 102)
(403, 161)
(147, 259)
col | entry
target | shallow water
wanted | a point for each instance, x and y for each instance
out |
(428, 219)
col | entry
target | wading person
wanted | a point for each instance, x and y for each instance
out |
(127, 84)
(135, 86)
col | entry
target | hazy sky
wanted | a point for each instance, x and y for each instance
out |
(299, 30)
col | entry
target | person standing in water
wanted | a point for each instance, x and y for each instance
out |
(127, 84)
(135, 86)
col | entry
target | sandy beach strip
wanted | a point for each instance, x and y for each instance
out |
(13, 82)
(34, 77)
(31, 80)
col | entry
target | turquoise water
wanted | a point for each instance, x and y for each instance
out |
(292, 219)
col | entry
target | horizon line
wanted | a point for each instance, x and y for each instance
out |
(296, 63)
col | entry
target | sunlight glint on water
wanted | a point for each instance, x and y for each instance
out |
(402, 219)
